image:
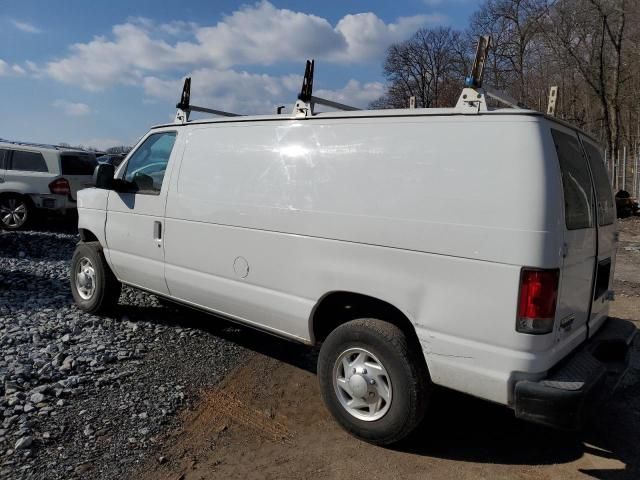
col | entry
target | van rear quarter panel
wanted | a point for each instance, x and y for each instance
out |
(435, 215)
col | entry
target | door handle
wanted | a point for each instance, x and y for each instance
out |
(157, 230)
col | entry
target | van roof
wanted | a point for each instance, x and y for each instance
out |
(400, 112)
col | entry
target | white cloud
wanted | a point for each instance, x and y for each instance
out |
(368, 36)
(25, 26)
(72, 109)
(18, 70)
(258, 34)
(228, 90)
(11, 70)
(354, 93)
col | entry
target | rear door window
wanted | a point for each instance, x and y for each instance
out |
(76, 164)
(28, 161)
(576, 181)
(604, 194)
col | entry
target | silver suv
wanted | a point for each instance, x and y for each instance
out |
(40, 177)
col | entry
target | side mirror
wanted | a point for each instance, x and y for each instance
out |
(103, 176)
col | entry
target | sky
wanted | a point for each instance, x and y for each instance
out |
(101, 72)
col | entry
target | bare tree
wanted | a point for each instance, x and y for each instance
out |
(589, 37)
(425, 67)
(514, 26)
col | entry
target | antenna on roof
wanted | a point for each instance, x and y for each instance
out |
(185, 108)
(306, 101)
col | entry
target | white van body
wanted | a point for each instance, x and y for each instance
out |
(431, 212)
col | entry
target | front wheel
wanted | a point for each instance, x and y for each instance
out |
(372, 382)
(94, 287)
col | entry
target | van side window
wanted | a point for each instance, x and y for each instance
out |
(604, 194)
(576, 182)
(28, 161)
(146, 167)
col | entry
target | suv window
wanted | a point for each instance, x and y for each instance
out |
(604, 194)
(576, 182)
(146, 167)
(77, 164)
(4, 155)
(28, 161)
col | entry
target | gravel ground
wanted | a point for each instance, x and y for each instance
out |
(83, 396)
(86, 396)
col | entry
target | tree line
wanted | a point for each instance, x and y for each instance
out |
(589, 49)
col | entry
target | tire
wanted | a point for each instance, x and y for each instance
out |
(16, 212)
(408, 385)
(94, 287)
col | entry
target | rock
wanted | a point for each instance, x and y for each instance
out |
(37, 398)
(82, 468)
(23, 443)
(10, 387)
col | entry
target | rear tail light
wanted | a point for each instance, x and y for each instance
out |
(537, 301)
(60, 187)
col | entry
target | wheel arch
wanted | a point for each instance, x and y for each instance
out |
(87, 235)
(15, 193)
(338, 307)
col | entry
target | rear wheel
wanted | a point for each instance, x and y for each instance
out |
(16, 212)
(94, 287)
(372, 382)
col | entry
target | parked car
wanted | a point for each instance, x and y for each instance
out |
(36, 177)
(347, 229)
(626, 205)
(112, 158)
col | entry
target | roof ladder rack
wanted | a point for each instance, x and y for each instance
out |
(306, 101)
(185, 108)
(473, 97)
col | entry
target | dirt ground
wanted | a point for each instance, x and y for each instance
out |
(266, 421)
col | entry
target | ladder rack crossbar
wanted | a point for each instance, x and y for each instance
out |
(331, 103)
(213, 111)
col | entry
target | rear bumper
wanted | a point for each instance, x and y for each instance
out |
(563, 398)
(53, 202)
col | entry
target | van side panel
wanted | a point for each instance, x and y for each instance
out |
(263, 220)
(412, 184)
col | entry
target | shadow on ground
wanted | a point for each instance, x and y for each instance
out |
(459, 427)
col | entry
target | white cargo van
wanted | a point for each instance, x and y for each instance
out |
(466, 247)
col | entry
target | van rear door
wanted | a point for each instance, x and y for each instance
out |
(580, 241)
(606, 226)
